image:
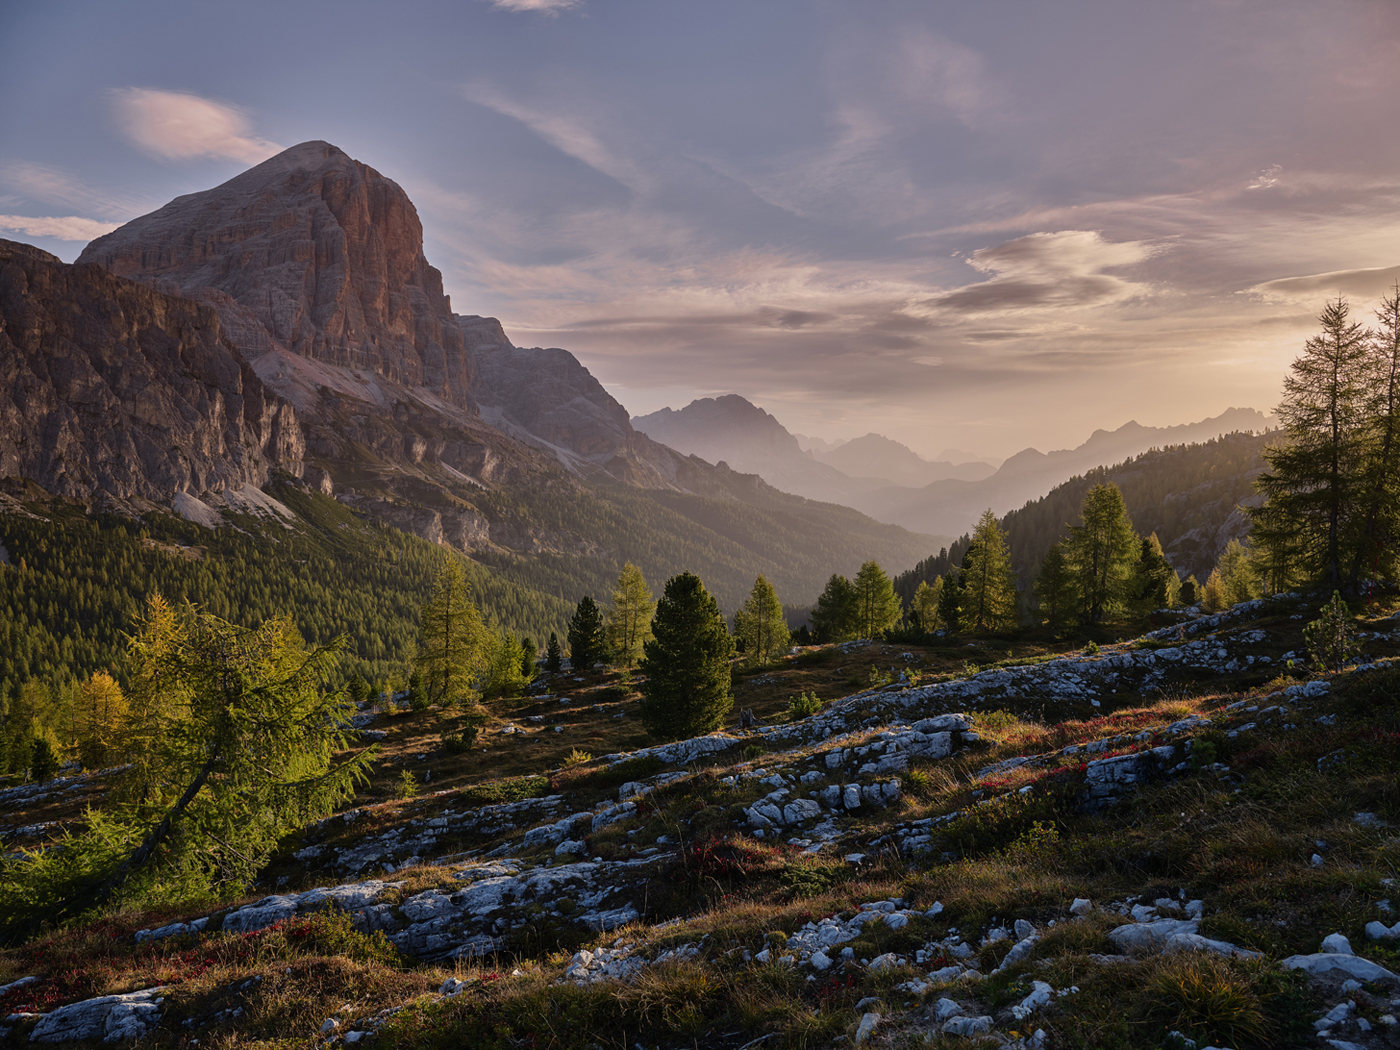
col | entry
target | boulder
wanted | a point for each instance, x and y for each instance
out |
(1150, 936)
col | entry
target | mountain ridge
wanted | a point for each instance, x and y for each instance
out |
(280, 291)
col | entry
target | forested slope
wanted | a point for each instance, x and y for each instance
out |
(76, 581)
(75, 584)
(1188, 495)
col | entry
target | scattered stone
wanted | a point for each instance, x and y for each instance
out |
(1041, 993)
(867, 1027)
(1334, 963)
(967, 1026)
(1144, 937)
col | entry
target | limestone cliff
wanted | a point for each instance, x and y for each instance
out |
(111, 391)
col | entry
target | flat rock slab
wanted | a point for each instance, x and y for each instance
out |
(111, 1018)
(1150, 936)
(1330, 964)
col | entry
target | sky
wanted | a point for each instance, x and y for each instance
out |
(983, 226)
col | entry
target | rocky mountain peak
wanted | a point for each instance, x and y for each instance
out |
(311, 252)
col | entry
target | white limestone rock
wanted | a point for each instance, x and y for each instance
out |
(1324, 964)
(111, 1018)
(1194, 942)
(967, 1026)
(1141, 937)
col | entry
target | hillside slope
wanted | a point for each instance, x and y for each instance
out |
(1066, 850)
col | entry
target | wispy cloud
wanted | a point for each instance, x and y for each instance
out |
(63, 227)
(545, 7)
(938, 76)
(178, 125)
(47, 185)
(568, 134)
(1061, 269)
(1370, 283)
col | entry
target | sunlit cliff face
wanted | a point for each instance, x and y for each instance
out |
(985, 227)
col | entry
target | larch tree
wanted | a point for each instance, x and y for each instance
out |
(761, 625)
(1213, 599)
(103, 713)
(453, 642)
(629, 616)
(586, 638)
(925, 604)
(686, 662)
(503, 666)
(1315, 481)
(1101, 552)
(248, 745)
(834, 617)
(989, 595)
(877, 606)
(1238, 581)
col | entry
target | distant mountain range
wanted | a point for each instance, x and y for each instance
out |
(891, 482)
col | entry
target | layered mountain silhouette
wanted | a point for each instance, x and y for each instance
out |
(892, 483)
(876, 456)
(953, 505)
(732, 430)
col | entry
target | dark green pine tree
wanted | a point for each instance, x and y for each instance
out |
(877, 606)
(1102, 553)
(586, 641)
(835, 617)
(553, 657)
(990, 600)
(1054, 588)
(950, 599)
(686, 663)
(1380, 529)
(528, 655)
(1155, 584)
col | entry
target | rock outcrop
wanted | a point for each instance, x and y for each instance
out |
(110, 390)
(548, 399)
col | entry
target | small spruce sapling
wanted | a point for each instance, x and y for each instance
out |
(43, 763)
(803, 705)
(1331, 637)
